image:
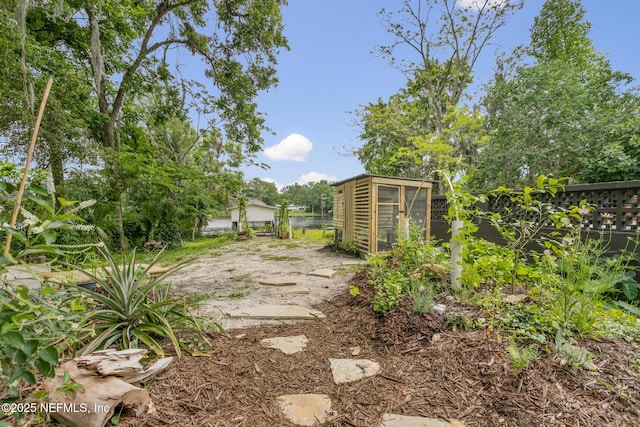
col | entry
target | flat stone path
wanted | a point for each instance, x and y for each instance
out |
(276, 312)
(279, 281)
(305, 409)
(349, 370)
(291, 290)
(323, 272)
(316, 409)
(288, 345)
(395, 420)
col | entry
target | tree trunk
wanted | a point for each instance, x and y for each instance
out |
(56, 162)
(121, 235)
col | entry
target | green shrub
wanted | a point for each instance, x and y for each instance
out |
(136, 308)
(36, 328)
(410, 267)
(520, 358)
(169, 233)
(423, 302)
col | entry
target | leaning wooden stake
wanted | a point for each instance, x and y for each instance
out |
(32, 144)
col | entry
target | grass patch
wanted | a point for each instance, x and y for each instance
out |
(194, 249)
(313, 235)
(242, 278)
(236, 295)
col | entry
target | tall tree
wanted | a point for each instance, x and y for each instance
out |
(387, 129)
(560, 33)
(557, 117)
(263, 190)
(425, 127)
(122, 44)
(398, 142)
(443, 40)
(28, 59)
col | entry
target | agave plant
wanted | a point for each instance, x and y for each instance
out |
(136, 307)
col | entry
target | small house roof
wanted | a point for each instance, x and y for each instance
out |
(254, 202)
(370, 175)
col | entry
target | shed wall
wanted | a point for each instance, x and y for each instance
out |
(356, 213)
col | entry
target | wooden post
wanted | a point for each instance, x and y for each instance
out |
(23, 182)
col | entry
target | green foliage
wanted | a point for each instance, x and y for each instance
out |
(423, 127)
(133, 103)
(242, 214)
(573, 283)
(423, 301)
(317, 196)
(633, 309)
(400, 141)
(283, 218)
(486, 263)
(36, 328)
(69, 386)
(169, 233)
(135, 308)
(560, 33)
(387, 131)
(411, 267)
(45, 219)
(526, 215)
(578, 278)
(265, 191)
(573, 355)
(520, 358)
(568, 114)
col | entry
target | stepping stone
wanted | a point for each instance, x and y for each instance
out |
(279, 281)
(394, 420)
(30, 275)
(276, 312)
(288, 345)
(323, 272)
(305, 409)
(348, 370)
(352, 262)
(291, 290)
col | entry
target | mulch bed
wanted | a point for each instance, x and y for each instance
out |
(450, 375)
(428, 369)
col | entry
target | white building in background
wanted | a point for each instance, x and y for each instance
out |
(259, 214)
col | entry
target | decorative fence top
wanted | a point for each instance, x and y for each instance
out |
(617, 205)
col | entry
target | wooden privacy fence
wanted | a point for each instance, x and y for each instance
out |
(617, 212)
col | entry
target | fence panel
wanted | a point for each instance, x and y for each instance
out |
(617, 212)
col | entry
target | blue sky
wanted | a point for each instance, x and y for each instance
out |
(331, 71)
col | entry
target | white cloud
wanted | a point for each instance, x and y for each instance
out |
(315, 177)
(277, 184)
(295, 147)
(477, 4)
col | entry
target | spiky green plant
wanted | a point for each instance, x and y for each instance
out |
(136, 307)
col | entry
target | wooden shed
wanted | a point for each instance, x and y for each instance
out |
(371, 210)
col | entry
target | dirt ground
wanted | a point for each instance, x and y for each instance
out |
(231, 276)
